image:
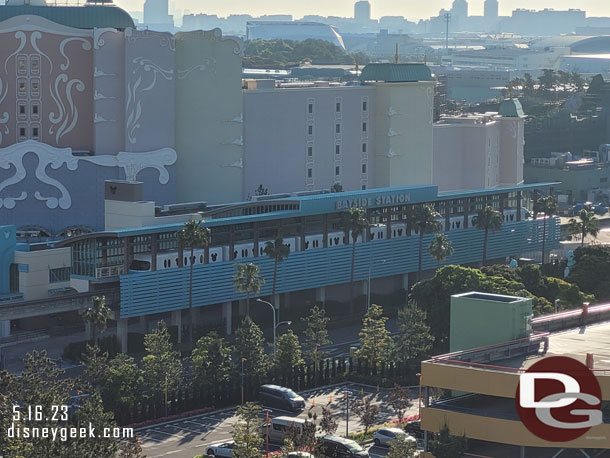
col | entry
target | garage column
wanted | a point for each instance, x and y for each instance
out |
(121, 333)
(176, 320)
(321, 295)
(5, 328)
(227, 315)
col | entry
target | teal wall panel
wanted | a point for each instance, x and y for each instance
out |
(145, 293)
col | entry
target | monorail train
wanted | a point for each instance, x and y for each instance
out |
(241, 251)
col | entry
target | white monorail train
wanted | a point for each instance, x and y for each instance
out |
(241, 251)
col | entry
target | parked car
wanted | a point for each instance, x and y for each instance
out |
(223, 449)
(280, 397)
(414, 429)
(300, 455)
(282, 428)
(339, 447)
(385, 436)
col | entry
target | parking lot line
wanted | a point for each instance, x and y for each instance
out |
(185, 429)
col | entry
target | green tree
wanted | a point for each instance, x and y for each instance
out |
(577, 80)
(96, 364)
(548, 207)
(400, 401)
(367, 412)
(440, 248)
(193, 235)
(278, 251)
(211, 360)
(528, 85)
(247, 280)
(547, 80)
(376, 343)
(401, 447)
(354, 224)
(130, 448)
(586, 224)
(425, 220)
(249, 344)
(122, 383)
(445, 445)
(161, 367)
(487, 220)
(247, 431)
(97, 316)
(328, 423)
(288, 355)
(316, 336)
(592, 270)
(414, 340)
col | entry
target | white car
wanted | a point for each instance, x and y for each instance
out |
(385, 436)
(223, 449)
(300, 455)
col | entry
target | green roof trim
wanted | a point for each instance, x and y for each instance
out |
(511, 108)
(396, 73)
(79, 17)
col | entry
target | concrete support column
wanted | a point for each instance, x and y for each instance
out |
(5, 328)
(522, 452)
(143, 324)
(121, 333)
(227, 315)
(286, 300)
(242, 307)
(196, 311)
(88, 331)
(176, 320)
(365, 286)
(321, 295)
(405, 281)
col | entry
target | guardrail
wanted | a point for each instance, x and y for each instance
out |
(41, 307)
(571, 318)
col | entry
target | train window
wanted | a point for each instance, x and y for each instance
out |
(177, 262)
(201, 259)
(185, 261)
(214, 256)
(139, 265)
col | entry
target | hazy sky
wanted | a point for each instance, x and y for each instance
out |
(411, 9)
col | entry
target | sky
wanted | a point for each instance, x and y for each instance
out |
(411, 9)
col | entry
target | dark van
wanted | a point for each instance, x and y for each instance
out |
(281, 398)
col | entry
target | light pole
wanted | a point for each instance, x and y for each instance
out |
(275, 325)
(419, 398)
(243, 360)
(368, 289)
(346, 414)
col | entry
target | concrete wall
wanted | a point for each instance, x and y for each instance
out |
(277, 138)
(125, 215)
(209, 117)
(403, 133)
(8, 242)
(34, 271)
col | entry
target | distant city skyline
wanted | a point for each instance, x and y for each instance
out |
(379, 8)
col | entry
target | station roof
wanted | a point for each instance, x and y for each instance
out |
(318, 204)
(79, 17)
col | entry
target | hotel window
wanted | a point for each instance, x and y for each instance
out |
(363, 127)
(309, 173)
(338, 107)
(310, 151)
(337, 149)
(364, 105)
(35, 109)
(22, 86)
(337, 170)
(22, 132)
(35, 131)
(363, 187)
(363, 168)
(337, 128)
(310, 108)
(364, 147)
(34, 65)
(22, 108)
(35, 86)
(309, 130)
(22, 65)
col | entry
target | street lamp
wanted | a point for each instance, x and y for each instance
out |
(243, 360)
(419, 398)
(275, 325)
(368, 289)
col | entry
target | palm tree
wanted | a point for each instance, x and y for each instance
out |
(247, 280)
(193, 235)
(547, 206)
(354, 223)
(278, 251)
(425, 220)
(585, 225)
(440, 248)
(97, 316)
(486, 220)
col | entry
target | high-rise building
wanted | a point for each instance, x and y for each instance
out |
(490, 10)
(362, 11)
(459, 9)
(156, 12)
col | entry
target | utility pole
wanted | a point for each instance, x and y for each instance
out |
(346, 414)
(447, 19)
(243, 360)
(396, 54)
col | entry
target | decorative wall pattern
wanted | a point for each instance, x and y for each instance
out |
(48, 156)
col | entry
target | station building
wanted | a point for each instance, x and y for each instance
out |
(137, 263)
